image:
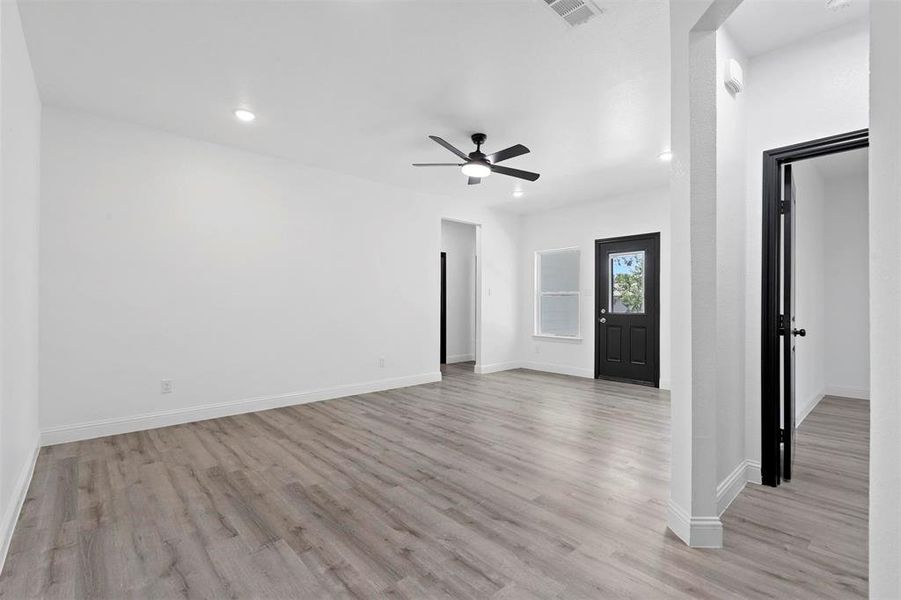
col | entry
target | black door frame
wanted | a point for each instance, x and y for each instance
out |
(773, 207)
(443, 355)
(601, 287)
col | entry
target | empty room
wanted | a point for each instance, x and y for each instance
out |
(489, 299)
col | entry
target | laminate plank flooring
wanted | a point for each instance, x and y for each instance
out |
(515, 485)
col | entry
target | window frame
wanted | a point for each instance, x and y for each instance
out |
(538, 294)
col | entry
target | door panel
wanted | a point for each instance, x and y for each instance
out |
(788, 325)
(614, 343)
(443, 351)
(627, 320)
(638, 345)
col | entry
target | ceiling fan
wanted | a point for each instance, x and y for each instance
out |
(479, 165)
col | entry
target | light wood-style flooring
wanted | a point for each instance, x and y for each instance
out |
(515, 485)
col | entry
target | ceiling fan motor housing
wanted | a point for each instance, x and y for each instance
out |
(478, 139)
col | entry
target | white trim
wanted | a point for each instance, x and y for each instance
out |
(747, 471)
(808, 408)
(665, 384)
(112, 426)
(458, 358)
(559, 369)
(730, 487)
(11, 516)
(753, 470)
(848, 392)
(566, 338)
(496, 367)
(697, 532)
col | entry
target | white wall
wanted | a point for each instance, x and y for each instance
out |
(885, 298)
(847, 284)
(812, 89)
(20, 111)
(692, 508)
(458, 240)
(731, 160)
(810, 287)
(248, 281)
(580, 225)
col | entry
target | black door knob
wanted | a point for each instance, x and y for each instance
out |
(801, 332)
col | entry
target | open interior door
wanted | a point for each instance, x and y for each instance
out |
(787, 321)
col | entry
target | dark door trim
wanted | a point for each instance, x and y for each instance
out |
(443, 307)
(773, 160)
(601, 287)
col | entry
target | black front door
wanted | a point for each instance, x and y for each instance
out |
(627, 309)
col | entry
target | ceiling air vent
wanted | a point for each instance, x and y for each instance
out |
(574, 12)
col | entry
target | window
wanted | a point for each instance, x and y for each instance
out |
(626, 284)
(557, 298)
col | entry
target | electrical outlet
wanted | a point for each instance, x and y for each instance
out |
(166, 386)
(381, 362)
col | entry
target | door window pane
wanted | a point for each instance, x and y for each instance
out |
(626, 285)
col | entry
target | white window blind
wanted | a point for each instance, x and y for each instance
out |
(557, 298)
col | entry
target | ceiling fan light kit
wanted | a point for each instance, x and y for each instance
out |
(479, 165)
(476, 169)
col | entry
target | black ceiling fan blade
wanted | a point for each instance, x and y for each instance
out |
(437, 164)
(474, 180)
(449, 147)
(507, 153)
(515, 172)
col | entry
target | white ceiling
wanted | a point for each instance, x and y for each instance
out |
(356, 86)
(759, 26)
(843, 165)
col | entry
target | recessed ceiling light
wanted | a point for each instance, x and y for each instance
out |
(244, 115)
(665, 156)
(517, 193)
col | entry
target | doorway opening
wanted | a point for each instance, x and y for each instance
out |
(459, 347)
(627, 309)
(815, 309)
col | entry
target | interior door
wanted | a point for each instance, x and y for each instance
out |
(627, 319)
(787, 326)
(443, 352)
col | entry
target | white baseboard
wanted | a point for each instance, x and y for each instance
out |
(496, 367)
(458, 358)
(559, 369)
(753, 470)
(11, 516)
(697, 532)
(547, 368)
(730, 487)
(848, 392)
(116, 425)
(808, 408)
(747, 471)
